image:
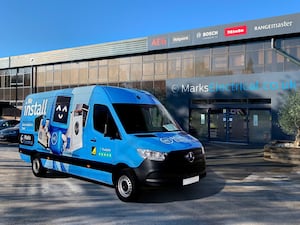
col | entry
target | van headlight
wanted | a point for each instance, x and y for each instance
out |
(152, 155)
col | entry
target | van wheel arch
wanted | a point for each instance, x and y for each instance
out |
(125, 183)
(36, 165)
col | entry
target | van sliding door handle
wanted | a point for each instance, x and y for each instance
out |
(93, 140)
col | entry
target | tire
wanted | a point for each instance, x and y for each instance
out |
(126, 186)
(37, 168)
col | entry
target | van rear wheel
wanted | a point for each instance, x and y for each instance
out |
(37, 168)
(126, 186)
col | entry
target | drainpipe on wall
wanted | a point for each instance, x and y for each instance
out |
(33, 76)
(284, 53)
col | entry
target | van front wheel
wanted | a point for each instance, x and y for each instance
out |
(126, 186)
(37, 168)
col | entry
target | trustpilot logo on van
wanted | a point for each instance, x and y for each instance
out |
(32, 108)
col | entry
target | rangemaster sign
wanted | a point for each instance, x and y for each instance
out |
(116, 136)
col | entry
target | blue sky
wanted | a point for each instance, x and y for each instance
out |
(30, 26)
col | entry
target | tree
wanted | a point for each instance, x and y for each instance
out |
(289, 116)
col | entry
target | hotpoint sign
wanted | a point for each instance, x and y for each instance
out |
(251, 29)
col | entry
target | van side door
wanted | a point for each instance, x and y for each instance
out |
(103, 135)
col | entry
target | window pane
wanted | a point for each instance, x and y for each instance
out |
(254, 46)
(103, 74)
(49, 76)
(65, 74)
(27, 79)
(41, 76)
(57, 75)
(237, 48)
(219, 62)
(93, 75)
(74, 76)
(148, 69)
(136, 72)
(202, 65)
(237, 60)
(221, 49)
(83, 73)
(188, 69)
(124, 72)
(113, 73)
(160, 67)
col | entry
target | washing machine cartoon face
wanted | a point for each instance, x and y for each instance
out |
(62, 107)
(61, 114)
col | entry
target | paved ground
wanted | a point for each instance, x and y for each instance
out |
(240, 188)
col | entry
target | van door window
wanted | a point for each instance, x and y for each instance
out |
(104, 122)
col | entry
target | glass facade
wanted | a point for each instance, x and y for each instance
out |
(149, 71)
(15, 85)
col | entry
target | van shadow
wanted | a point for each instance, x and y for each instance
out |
(55, 174)
(208, 186)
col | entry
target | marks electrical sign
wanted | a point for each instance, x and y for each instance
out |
(213, 87)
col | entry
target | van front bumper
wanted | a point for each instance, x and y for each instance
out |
(176, 168)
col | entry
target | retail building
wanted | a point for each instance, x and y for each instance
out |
(223, 83)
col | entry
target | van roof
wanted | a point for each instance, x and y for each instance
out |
(126, 95)
(113, 94)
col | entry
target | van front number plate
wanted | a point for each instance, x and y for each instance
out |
(190, 180)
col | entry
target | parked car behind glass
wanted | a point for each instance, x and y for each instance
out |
(7, 123)
(10, 134)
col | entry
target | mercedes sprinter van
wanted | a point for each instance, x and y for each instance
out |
(121, 137)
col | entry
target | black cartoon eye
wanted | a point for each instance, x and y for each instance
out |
(58, 108)
(65, 109)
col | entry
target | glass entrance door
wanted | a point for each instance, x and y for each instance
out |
(228, 125)
(237, 125)
(217, 125)
(231, 124)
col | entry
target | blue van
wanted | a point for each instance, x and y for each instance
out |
(117, 136)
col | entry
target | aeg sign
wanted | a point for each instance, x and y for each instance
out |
(159, 42)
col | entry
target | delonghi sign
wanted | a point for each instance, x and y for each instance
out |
(251, 29)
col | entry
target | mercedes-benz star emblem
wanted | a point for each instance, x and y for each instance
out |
(190, 157)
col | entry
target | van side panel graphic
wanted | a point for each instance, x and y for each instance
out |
(64, 133)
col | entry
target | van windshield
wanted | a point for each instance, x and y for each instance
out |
(144, 118)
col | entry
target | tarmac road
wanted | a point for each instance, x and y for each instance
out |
(240, 188)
